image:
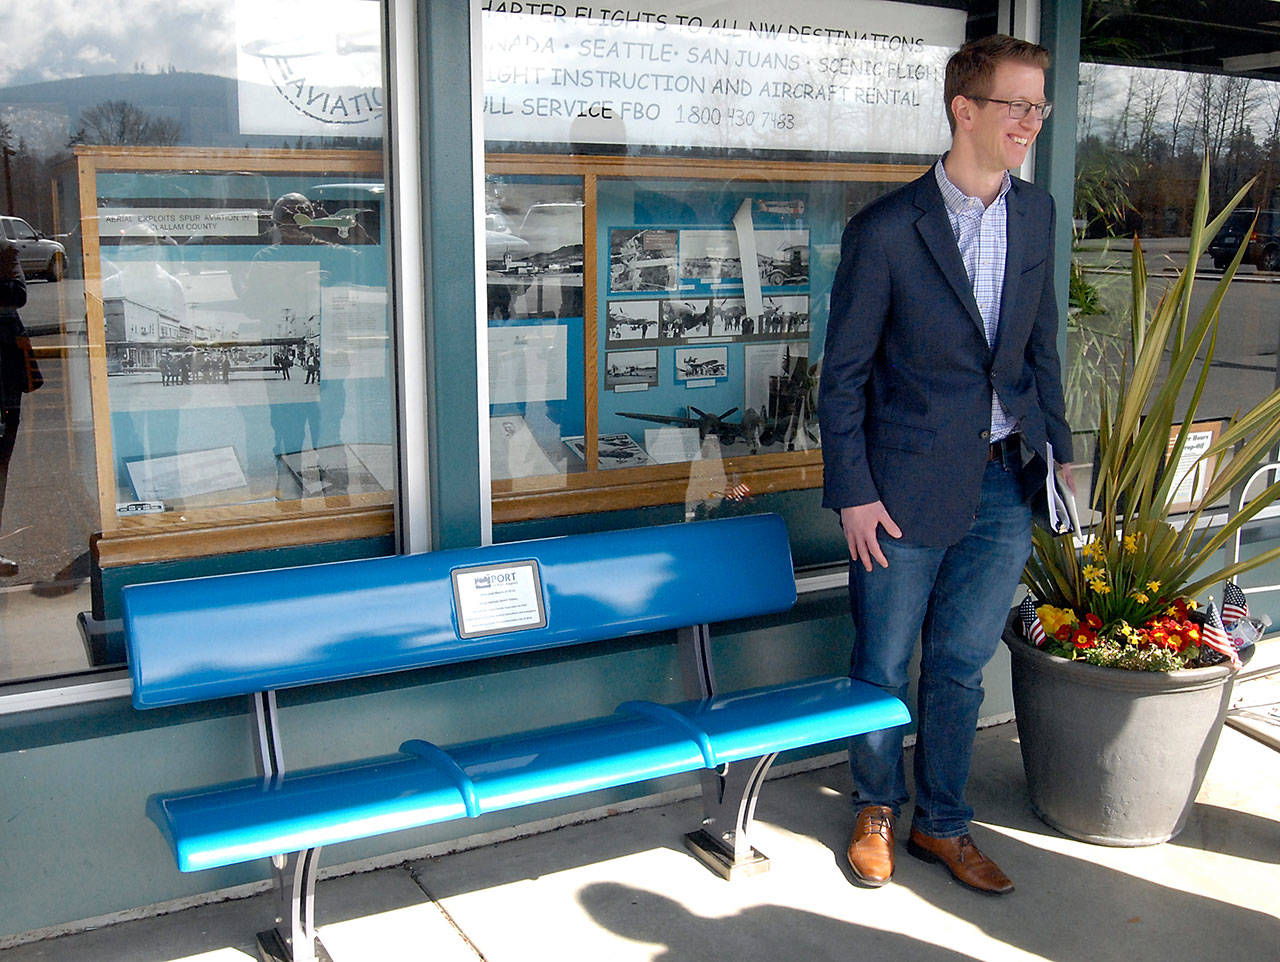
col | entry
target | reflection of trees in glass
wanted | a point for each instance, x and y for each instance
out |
(1095, 351)
(122, 123)
(1142, 136)
(7, 151)
(1163, 123)
(26, 180)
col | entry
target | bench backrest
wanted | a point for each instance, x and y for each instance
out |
(237, 634)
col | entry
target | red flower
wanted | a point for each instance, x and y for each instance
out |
(1063, 633)
(1083, 638)
(1093, 621)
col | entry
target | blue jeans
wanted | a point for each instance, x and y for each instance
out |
(955, 600)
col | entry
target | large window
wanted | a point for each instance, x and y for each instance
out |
(1162, 87)
(667, 187)
(198, 202)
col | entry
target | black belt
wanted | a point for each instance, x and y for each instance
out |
(1004, 449)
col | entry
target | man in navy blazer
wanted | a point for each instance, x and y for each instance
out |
(940, 387)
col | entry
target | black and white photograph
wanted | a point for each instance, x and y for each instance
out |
(205, 333)
(642, 259)
(780, 388)
(706, 362)
(612, 450)
(533, 249)
(786, 316)
(682, 319)
(630, 368)
(716, 317)
(632, 321)
(783, 256)
(711, 256)
(791, 412)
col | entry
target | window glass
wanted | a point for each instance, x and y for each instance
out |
(667, 187)
(204, 238)
(1162, 87)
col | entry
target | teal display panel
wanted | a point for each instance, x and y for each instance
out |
(247, 344)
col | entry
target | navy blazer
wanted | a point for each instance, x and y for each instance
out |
(905, 398)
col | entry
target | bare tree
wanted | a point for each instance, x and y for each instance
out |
(1181, 98)
(119, 122)
(1150, 91)
(1087, 88)
(1222, 104)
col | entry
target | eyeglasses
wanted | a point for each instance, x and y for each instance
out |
(1020, 108)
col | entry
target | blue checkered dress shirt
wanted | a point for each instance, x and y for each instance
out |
(982, 234)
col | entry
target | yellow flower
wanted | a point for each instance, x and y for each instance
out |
(1051, 618)
(1101, 587)
(1140, 597)
(1153, 586)
(1093, 550)
(1130, 543)
(1092, 572)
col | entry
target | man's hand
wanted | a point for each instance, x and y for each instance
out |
(860, 523)
(1068, 477)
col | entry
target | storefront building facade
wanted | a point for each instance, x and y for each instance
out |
(399, 277)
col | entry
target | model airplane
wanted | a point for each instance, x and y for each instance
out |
(343, 221)
(748, 429)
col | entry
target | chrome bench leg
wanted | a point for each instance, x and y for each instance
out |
(729, 793)
(294, 937)
(723, 844)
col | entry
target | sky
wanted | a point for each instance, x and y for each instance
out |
(55, 39)
(1105, 89)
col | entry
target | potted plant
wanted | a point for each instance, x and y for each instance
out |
(1117, 714)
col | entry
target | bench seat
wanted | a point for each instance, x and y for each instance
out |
(254, 633)
(424, 784)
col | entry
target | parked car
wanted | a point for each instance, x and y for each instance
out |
(1262, 238)
(39, 256)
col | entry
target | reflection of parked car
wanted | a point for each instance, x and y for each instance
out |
(1263, 250)
(39, 256)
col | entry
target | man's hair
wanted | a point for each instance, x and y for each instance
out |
(972, 68)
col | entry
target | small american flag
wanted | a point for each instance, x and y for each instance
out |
(1215, 636)
(1031, 626)
(1234, 605)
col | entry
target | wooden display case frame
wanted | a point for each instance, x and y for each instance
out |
(211, 530)
(594, 490)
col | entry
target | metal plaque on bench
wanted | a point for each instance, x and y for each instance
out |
(495, 598)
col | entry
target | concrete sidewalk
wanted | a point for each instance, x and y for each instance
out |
(624, 889)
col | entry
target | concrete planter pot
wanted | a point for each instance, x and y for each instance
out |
(1114, 757)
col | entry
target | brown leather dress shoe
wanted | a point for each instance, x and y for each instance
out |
(963, 860)
(871, 847)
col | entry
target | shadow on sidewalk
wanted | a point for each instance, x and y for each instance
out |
(645, 916)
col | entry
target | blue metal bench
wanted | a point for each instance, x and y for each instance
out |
(251, 634)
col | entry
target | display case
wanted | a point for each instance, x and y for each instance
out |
(238, 345)
(656, 325)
